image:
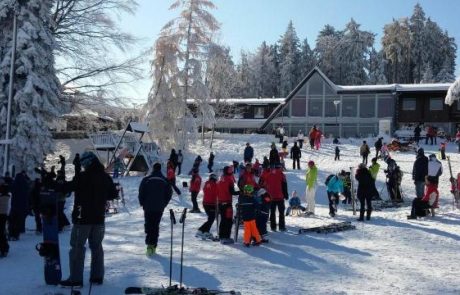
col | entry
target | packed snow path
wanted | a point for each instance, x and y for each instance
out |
(388, 255)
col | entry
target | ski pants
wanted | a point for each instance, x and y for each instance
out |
(250, 231)
(174, 186)
(226, 220)
(312, 143)
(4, 247)
(333, 201)
(179, 168)
(261, 222)
(337, 157)
(210, 167)
(347, 194)
(16, 224)
(310, 196)
(300, 141)
(280, 205)
(365, 201)
(62, 218)
(211, 213)
(294, 161)
(419, 188)
(38, 219)
(94, 234)
(377, 153)
(394, 190)
(152, 226)
(419, 207)
(194, 196)
(365, 159)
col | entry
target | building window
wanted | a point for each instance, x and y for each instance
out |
(436, 104)
(330, 107)
(367, 106)
(409, 104)
(385, 106)
(315, 107)
(298, 107)
(259, 112)
(316, 85)
(349, 130)
(349, 106)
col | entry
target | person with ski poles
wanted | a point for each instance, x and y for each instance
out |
(209, 205)
(225, 193)
(374, 170)
(247, 205)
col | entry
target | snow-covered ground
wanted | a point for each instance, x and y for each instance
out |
(388, 255)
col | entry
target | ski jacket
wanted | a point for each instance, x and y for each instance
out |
(431, 195)
(5, 203)
(300, 136)
(154, 192)
(276, 185)
(378, 144)
(247, 206)
(295, 152)
(337, 150)
(248, 152)
(420, 168)
(417, 131)
(311, 177)
(312, 133)
(93, 188)
(374, 170)
(171, 174)
(180, 158)
(195, 183)
(284, 145)
(434, 167)
(263, 177)
(211, 159)
(247, 178)
(21, 189)
(366, 184)
(274, 157)
(263, 203)
(335, 185)
(210, 193)
(225, 189)
(294, 202)
(364, 150)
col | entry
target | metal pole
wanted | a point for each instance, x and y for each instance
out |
(10, 92)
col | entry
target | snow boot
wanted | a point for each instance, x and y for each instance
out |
(70, 283)
(151, 250)
(368, 215)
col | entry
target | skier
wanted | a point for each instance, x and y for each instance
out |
(247, 205)
(417, 131)
(334, 188)
(173, 158)
(337, 153)
(300, 138)
(429, 200)
(442, 149)
(248, 153)
(346, 179)
(210, 162)
(274, 155)
(225, 191)
(394, 179)
(195, 187)
(310, 178)
(378, 146)
(366, 190)
(374, 170)
(364, 151)
(209, 205)
(276, 186)
(93, 188)
(318, 139)
(76, 163)
(171, 177)
(4, 211)
(180, 159)
(19, 205)
(296, 154)
(312, 136)
(263, 201)
(154, 195)
(419, 172)
(434, 169)
(247, 177)
(294, 203)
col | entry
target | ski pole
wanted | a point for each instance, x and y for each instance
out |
(182, 220)
(173, 221)
(217, 218)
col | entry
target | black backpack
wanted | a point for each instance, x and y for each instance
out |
(328, 179)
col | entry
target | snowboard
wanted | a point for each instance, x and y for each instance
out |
(173, 290)
(330, 228)
(49, 249)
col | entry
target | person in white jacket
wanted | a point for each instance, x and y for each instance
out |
(434, 169)
(300, 138)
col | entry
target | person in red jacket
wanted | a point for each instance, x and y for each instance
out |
(171, 176)
(264, 175)
(195, 187)
(248, 177)
(225, 193)
(276, 186)
(210, 206)
(429, 200)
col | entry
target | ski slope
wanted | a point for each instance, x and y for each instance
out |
(388, 255)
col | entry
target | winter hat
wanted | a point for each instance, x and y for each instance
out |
(421, 152)
(362, 166)
(87, 159)
(432, 156)
(248, 189)
(311, 163)
(213, 177)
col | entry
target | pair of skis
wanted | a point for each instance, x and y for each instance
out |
(326, 229)
(454, 186)
(175, 290)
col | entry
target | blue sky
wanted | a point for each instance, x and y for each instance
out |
(246, 23)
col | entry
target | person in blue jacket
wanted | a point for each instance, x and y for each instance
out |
(334, 187)
(248, 153)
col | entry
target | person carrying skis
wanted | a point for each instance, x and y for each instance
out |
(419, 172)
(4, 211)
(248, 153)
(195, 187)
(334, 187)
(429, 200)
(296, 154)
(366, 190)
(434, 169)
(210, 162)
(300, 138)
(171, 176)
(93, 188)
(310, 178)
(225, 193)
(364, 151)
(180, 159)
(209, 205)
(247, 205)
(263, 201)
(378, 146)
(276, 186)
(155, 192)
(76, 163)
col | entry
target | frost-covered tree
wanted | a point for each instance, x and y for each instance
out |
(417, 42)
(275, 60)
(264, 71)
(445, 75)
(220, 72)
(307, 59)
(326, 52)
(376, 68)
(289, 60)
(36, 88)
(427, 74)
(396, 48)
(453, 94)
(245, 84)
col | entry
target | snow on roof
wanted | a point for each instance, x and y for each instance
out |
(82, 113)
(138, 127)
(245, 100)
(396, 87)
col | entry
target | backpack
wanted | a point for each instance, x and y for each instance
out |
(328, 179)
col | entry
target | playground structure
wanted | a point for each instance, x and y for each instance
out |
(128, 148)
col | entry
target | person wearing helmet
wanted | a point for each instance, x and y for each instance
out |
(209, 205)
(276, 186)
(247, 205)
(263, 201)
(225, 191)
(310, 178)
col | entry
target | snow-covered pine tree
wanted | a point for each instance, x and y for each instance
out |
(245, 86)
(445, 75)
(326, 52)
(396, 44)
(289, 60)
(376, 68)
(275, 60)
(36, 89)
(307, 59)
(417, 42)
(264, 71)
(427, 74)
(453, 94)
(433, 51)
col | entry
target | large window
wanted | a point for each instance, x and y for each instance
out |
(331, 130)
(316, 85)
(330, 107)
(349, 106)
(367, 130)
(315, 107)
(259, 112)
(436, 104)
(302, 93)
(349, 130)
(298, 107)
(409, 104)
(367, 106)
(385, 106)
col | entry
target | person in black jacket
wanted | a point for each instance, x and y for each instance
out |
(76, 163)
(366, 189)
(248, 153)
(419, 171)
(211, 162)
(417, 132)
(295, 156)
(378, 146)
(173, 157)
(274, 155)
(20, 207)
(62, 162)
(154, 195)
(93, 188)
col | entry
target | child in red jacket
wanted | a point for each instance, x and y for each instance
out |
(210, 207)
(195, 186)
(429, 200)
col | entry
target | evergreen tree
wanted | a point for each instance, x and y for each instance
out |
(307, 59)
(289, 60)
(376, 68)
(36, 100)
(245, 81)
(396, 48)
(427, 74)
(453, 94)
(275, 60)
(445, 75)
(326, 52)
(264, 71)
(417, 42)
